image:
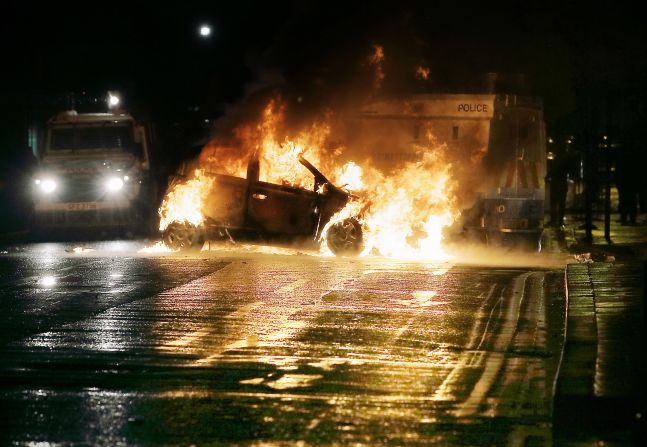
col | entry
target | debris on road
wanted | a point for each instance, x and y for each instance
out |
(587, 258)
(583, 258)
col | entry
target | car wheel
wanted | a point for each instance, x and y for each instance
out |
(345, 237)
(183, 236)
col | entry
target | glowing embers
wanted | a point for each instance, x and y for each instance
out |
(422, 73)
(376, 60)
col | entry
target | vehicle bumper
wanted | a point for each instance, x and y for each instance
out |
(84, 214)
(509, 215)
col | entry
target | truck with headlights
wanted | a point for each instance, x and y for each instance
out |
(93, 172)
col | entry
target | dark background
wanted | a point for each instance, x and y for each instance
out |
(586, 62)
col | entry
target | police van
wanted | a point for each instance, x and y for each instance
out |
(93, 171)
(495, 143)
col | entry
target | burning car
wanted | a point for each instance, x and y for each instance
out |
(237, 208)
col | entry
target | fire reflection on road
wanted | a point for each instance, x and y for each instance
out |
(327, 350)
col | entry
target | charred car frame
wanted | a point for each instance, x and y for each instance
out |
(248, 209)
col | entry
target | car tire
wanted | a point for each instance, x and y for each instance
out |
(345, 238)
(183, 236)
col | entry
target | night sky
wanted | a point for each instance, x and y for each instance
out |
(582, 60)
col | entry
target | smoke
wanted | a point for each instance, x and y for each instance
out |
(308, 97)
(274, 117)
(464, 253)
(332, 56)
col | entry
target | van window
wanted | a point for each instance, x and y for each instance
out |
(92, 138)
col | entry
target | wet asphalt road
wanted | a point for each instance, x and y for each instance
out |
(116, 348)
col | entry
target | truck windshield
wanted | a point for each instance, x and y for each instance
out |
(93, 138)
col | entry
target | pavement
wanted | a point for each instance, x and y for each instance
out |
(106, 346)
(600, 392)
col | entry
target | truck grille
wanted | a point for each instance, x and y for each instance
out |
(81, 188)
(63, 218)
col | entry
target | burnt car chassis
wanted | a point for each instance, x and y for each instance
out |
(248, 209)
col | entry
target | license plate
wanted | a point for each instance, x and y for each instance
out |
(81, 206)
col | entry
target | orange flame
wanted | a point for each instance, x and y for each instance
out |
(422, 73)
(155, 248)
(278, 153)
(375, 59)
(403, 213)
(183, 201)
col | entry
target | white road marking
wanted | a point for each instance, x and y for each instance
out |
(286, 325)
(291, 287)
(421, 300)
(194, 337)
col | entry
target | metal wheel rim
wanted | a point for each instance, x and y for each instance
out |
(181, 236)
(345, 237)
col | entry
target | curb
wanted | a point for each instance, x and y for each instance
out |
(580, 415)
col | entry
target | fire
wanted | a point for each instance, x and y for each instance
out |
(377, 56)
(277, 151)
(156, 248)
(402, 213)
(183, 201)
(350, 177)
(375, 59)
(216, 158)
(422, 73)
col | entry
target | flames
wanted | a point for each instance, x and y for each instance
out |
(422, 73)
(277, 151)
(183, 201)
(402, 213)
(376, 60)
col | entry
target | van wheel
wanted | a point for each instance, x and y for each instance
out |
(345, 237)
(183, 236)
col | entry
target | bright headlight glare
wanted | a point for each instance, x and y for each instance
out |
(114, 184)
(46, 185)
(113, 100)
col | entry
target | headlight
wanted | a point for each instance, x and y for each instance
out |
(46, 185)
(114, 184)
